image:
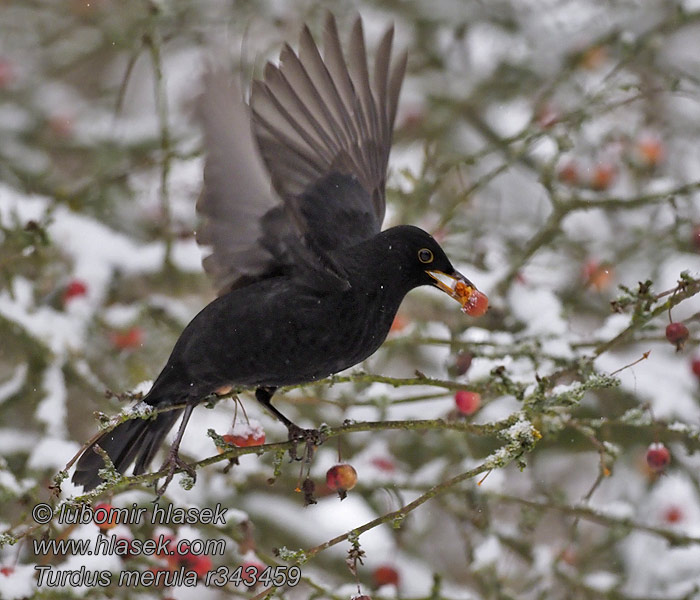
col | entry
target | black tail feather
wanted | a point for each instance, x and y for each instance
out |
(153, 442)
(136, 439)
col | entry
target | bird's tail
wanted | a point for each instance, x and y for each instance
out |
(136, 439)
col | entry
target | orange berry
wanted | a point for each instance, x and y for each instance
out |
(593, 58)
(399, 323)
(598, 275)
(649, 152)
(476, 305)
(568, 173)
(603, 176)
(244, 435)
(341, 478)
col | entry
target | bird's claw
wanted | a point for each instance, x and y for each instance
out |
(173, 463)
(311, 437)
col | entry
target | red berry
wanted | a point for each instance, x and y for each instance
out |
(166, 543)
(695, 238)
(7, 73)
(124, 548)
(158, 581)
(60, 125)
(341, 478)
(74, 289)
(127, 340)
(467, 402)
(673, 514)
(7, 571)
(414, 117)
(463, 362)
(677, 333)
(250, 572)
(385, 575)
(569, 556)
(384, 464)
(695, 366)
(105, 516)
(658, 457)
(547, 116)
(200, 564)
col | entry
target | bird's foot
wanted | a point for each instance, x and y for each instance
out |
(173, 463)
(312, 438)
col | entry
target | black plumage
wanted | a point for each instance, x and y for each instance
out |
(292, 209)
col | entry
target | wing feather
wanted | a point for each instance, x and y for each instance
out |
(299, 173)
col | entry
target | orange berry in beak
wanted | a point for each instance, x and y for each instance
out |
(476, 304)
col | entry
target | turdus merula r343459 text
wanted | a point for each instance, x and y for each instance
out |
(292, 208)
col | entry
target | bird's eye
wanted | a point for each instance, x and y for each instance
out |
(425, 255)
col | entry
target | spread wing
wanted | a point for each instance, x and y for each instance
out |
(301, 172)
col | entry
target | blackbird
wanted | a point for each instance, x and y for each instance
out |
(292, 208)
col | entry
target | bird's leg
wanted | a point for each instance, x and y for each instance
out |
(264, 396)
(295, 433)
(174, 461)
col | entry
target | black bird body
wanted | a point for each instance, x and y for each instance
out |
(246, 343)
(293, 204)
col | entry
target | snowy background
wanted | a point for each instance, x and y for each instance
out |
(550, 145)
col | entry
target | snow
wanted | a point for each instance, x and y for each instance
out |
(52, 453)
(487, 553)
(52, 409)
(20, 583)
(331, 518)
(488, 46)
(547, 323)
(654, 566)
(251, 429)
(13, 384)
(540, 309)
(601, 581)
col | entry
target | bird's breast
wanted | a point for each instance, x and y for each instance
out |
(284, 338)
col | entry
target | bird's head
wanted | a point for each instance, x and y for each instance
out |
(426, 263)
